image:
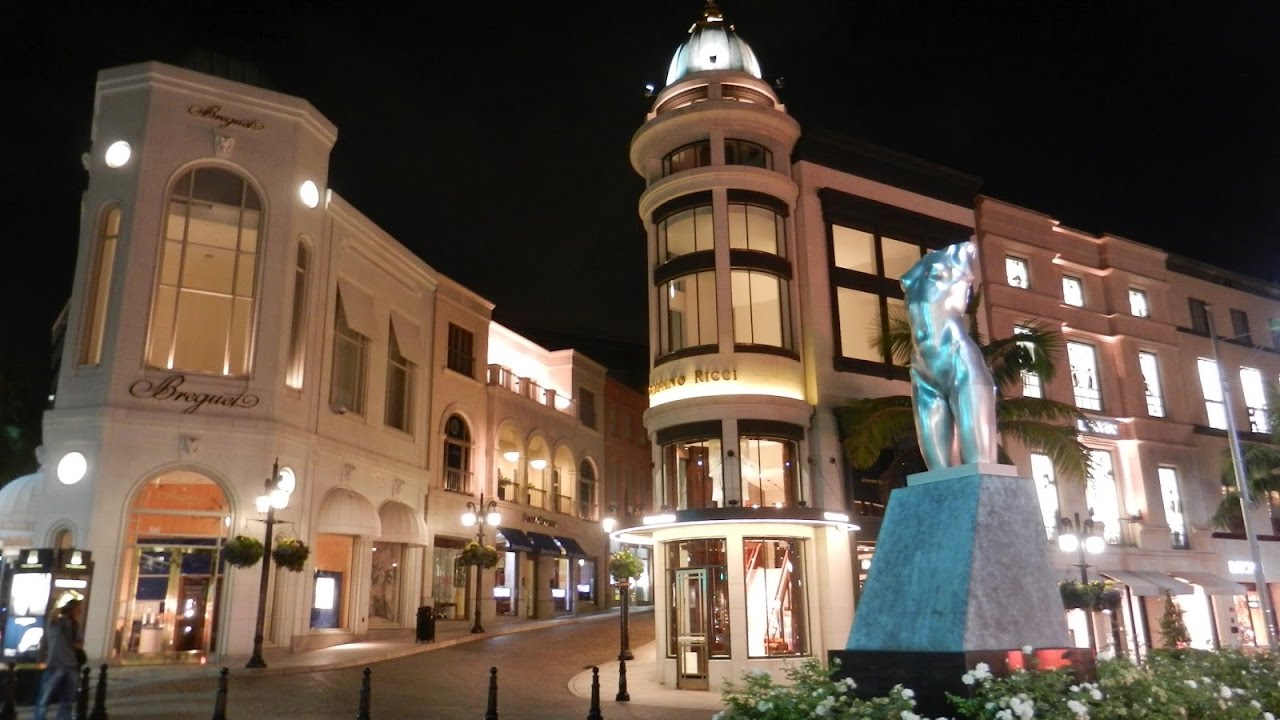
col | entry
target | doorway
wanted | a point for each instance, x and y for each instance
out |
(692, 624)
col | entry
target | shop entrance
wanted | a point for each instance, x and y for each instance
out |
(692, 623)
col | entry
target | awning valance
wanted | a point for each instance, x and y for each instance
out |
(357, 308)
(1138, 585)
(1212, 584)
(571, 547)
(516, 539)
(344, 511)
(544, 543)
(409, 338)
(402, 524)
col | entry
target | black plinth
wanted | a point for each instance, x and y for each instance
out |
(934, 674)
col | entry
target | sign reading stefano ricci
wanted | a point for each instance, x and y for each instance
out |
(169, 389)
(697, 376)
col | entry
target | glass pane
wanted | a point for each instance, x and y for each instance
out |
(170, 258)
(680, 234)
(1210, 383)
(215, 226)
(204, 324)
(1151, 384)
(768, 469)
(774, 580)
(1100, 494)
(898, 257)
(1255, 399)
(1138, 303)
(758, 308)
(762, 230)
(238, 340)
(210, 269)
(859, 323)
(1172, 501)
(1072, 291)
(176, 222)
(692, 474)
(1016, 272)
(218, 186)
(1084, 375)
(162, 327)
(854, 249)
(245, 274)
(1042, 472)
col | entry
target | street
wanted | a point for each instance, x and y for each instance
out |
(534, 669)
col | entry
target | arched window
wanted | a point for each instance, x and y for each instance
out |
(98, 287)
(457, 455)
(587, 490)
(202, 315)
(298, 318)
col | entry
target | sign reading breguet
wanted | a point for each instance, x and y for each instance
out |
(214, 112)
(698, 376)
(169, 389)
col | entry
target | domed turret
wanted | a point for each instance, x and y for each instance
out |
(712, 45)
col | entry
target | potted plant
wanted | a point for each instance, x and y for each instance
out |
(624, 566)
(485, 556)
(242, 551)
(291, 554)
(506, 487)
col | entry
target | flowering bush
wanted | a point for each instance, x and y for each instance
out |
(811, 693)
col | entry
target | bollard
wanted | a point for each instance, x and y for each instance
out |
(9, 711)
(594, 712)
(491, 711)
(623, 695)
(82, 694)
(363, 712)
(220, 697)
(100, 696)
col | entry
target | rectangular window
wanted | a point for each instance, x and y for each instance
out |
(1138, 306)
(350, 358)
(1084, 375)
(398, 412)
(1255, 398)
(1101, 494)
(1031, 386)
(859, 317)
(754, 227)
(742, 152)
(690, 156)
(705, 595)
(98, 291)
(1171, 498)
(685, 232)
(768, 469)
(1211, 388)
(687, 312)
(1148, 363)
(692, 475)
(587, 407)
(1072, 291)
(462, 357)
(761, 311)
(1042, 472)
(1199, 315)
(774, 576)
(1015, 271)
(1240, 326)
(298, 319)
(854, 250)
(868, 269)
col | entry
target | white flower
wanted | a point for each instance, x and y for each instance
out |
(1190, 683)
(908, 715)
(967, 678)
(1004, 715)
(1079, 708)
(908, 693)
(763, 705)
(1095, 693)
(1026, 649)
(1224, 692)
(718, 715)
(1075, 688)
(1257, 705)
(847, 683)
(982, 671)
(1268, 716)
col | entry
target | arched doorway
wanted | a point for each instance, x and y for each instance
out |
(171, 588)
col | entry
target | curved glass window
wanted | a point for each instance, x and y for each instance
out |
(693, 155)
(685, 232)
(743, 152)
(774, 574)
(753, 227)
(768, 471)
(693, 474)
(202, 316)
(98, 292)
(687, 312)
(761, 309)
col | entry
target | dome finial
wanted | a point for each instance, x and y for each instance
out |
(713, 45)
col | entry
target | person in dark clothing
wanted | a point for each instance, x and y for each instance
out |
(65, 653)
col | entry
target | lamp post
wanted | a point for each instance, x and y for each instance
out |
(1075, 536)
(1242, 488)
(273, 498)
(608, 524)
(480, 515)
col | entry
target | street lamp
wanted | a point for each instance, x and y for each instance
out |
(608, 524)
(274, 497)
(1075, 536)
(480, 515)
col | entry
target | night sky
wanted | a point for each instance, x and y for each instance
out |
(491, 138)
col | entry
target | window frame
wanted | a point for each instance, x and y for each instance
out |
(351, 400)
(457, 434)
(1240, 326)
(97, 297)
(1081, 393)
(798, 586)
(1198, 310)
(1012, 260)
(733, 148)
(1079, 286)
(1155, 398)
(295, 369)
(403, 367)
(1212, 393)
(461, 350)
(1139, 293)
(701, 153)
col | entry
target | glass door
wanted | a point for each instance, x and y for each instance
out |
(692, 622)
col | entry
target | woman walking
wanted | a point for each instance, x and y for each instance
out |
(65, 655)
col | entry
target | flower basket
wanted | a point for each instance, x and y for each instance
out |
(242, 551)
(291, 554)
(1097, 595)
(485, 556)
(624, 566)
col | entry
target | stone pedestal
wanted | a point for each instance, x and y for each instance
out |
(961, 575)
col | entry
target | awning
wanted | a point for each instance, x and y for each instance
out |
(346, 512)
(402, 524)
(571, 547)
(544, 543)
(1175, 587)
(357, 308)
(1137, 584)
(409, 338)
(516, 539)
(1212, 584)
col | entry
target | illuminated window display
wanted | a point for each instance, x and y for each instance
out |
(1255, 399)
(1101, 494)
(1171, 497)
(768, 468)
(684, 232)
(761, 309)
(1084, 375)
(775, 591)
(448, 578)
(692, 473)
(753, 227)
(1211, 387)
(1031, 386)
(699, 620)
(1150, 367)
(332, 555)
(384, 587)
(457, 455)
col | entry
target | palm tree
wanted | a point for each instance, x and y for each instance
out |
(878, 434)
(1261, 470)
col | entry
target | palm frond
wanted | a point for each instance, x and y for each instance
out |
(869, 425)
(1036, 351)
(1060, 443)
(1228, 514)
(1261, 465)
(1037, 409)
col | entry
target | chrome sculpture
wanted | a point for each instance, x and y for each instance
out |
(952, 391)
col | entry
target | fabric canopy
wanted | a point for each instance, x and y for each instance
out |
(516, 539)
(571, 547)
(346, 512)
(544, 543)
(1213, 584)
(1173, 585)
(402, 524)
(357, 308)
(409, 338)
(1137, 584)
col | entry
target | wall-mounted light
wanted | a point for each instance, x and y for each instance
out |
(538, 464)
(72, 468)
(118, 154)
(511, 455)
(309, 193)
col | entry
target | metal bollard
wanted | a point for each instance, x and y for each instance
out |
(82, 694)
(623, 695)
(363, 712)
(100, 696)
(220, 697)
(491, 711)
(9, 711)
(594, 712)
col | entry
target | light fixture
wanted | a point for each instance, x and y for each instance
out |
(608, 523)
(538, 464)
(287, 480)
(511, 455)
(468, 519)
(309, 193)
(72, 468)
(118, 154)
(482, 514)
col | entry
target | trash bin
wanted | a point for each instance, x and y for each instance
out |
(426, 631)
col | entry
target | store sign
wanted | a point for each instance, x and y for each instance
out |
(214, 112)
(1240, 567)
(169, 389)
(698, 376)
(1093, 426)
(539, 520)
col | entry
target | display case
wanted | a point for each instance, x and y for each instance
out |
(36, 582)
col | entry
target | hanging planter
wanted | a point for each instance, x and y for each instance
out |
(485, 556)
(291, 554)
(1096, 596)
(624, 566)
(242, 551)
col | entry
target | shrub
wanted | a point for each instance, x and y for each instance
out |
(811, 693)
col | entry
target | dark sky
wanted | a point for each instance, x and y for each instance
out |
(491, 138)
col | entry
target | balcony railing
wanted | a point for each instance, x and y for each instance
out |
(457, 480)
(506, 379)
(536, 497)
(564, 504)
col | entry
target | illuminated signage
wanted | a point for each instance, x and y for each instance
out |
(214, 112)
(168, 389)
(71, 583)
(1240, 567)
(1094, 426)
(698, 376)
(539, 520)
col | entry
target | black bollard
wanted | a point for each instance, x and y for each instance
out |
(491, 712)
(82, 694)
(623, 695)
(9, 711)
(220, 697)
(100, 696)
(363, 712)
(594, 712)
